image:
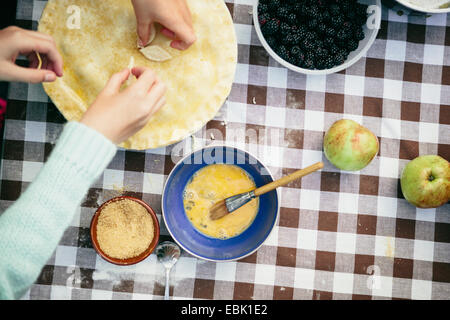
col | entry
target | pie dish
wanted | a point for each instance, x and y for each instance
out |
(198, 79)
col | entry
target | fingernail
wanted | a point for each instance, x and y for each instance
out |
(49, 77)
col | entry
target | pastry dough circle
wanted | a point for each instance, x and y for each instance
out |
(198, 79)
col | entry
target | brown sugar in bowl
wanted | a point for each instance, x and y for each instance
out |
(132, 260)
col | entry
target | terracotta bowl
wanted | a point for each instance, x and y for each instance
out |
(133, 260)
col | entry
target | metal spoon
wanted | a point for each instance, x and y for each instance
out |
(168, 254)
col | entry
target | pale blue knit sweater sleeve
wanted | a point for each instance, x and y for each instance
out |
(32, 227)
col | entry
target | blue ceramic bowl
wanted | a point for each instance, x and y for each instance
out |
(195, 242)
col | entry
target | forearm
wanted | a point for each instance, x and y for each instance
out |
(33, 226)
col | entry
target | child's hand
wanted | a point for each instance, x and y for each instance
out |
(174, 15)
(15, 41)
(119, 115)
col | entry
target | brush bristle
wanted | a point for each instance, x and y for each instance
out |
(218, 210)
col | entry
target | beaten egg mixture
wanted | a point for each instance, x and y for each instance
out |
(214, 183)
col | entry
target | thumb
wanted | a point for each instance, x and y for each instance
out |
(115, 82)
(144, 29)
(14, 72)
(186, 37)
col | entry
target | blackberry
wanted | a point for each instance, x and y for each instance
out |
(296, 37)
(282, 52)
(300, 59)
(348, 25)
(334, 10)
(339, 59)
(352, 45)
(320, 64)
(361, 20)
(285, 29)
(322, 53)
(336, 22)
(361, 13)
(296, 51)
(307, 44)
(262, 8)
(361, 10)
(310, 35)
(359, 34)
(303, 10)
(263, 18)
(302, 31)
(329, 62)
(271, 27)
(342, 35)
(274, 5)
(334, 49)
(326, 16)
(288, 39)
(320, 19)
(345, 6)
(292, 60)
(283, 13)
(342, 44)
(272, 42)
(328, 42)
(292, 18)
(321, 28)
(321, 3)
(318, 44)
(344, 52)
(313, 12)
(312, 24)
(351, 15)
(308, 63)
(330, 32)
(297, 8)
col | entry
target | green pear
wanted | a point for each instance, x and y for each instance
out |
(425, 181)
(350, 146)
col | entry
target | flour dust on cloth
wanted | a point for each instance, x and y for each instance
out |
(198, 79)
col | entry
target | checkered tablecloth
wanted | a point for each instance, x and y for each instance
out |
(340, 235)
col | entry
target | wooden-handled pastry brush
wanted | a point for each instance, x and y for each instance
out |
(224, 207)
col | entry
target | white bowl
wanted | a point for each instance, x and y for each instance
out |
(417, 8)
(364, 44)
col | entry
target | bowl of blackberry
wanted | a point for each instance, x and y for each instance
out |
(317, 36)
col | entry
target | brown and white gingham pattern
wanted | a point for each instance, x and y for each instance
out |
(340, 235)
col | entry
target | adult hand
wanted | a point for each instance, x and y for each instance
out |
(15, 41)
(120, 114)
(175, 17)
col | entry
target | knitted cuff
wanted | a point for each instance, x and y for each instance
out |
(88, 151)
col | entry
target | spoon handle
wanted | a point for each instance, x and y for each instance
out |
(166, 292)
